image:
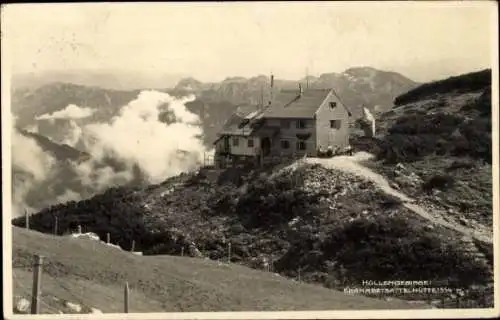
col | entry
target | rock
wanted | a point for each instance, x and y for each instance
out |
(400, 166)
(463, 221)
(194, 251)
(429, 227)
(95, 311)
(365, 212)
(74, 307)
(394, 185)
(23, 306)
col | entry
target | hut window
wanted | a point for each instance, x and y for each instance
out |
(333, 105)
(301, 145)
(335, 124)
(250, 143)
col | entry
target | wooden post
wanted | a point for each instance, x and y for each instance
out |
(182, 251)
(229, 252)
(126, 296)
(299, 274)
(133, 246)
(79, 229)
(55, 225)
(107, 238)
(37, 278)
(27, 219)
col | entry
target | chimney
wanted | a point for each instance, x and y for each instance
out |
(271, 90)
(300, 90)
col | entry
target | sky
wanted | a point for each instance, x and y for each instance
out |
(212, 41)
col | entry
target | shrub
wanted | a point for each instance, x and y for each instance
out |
(438, 181)
(482, 104)
(390, 202)
(475, 140)
(438, 124)
(461, 164)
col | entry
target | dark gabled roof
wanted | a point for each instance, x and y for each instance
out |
(288, 104)
(236, 125)
(241, 124)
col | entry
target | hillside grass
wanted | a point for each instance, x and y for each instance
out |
(459, 84)
(95, 273)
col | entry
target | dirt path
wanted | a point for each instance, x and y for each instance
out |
(351, 164)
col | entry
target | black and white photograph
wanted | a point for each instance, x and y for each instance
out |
(250, 160)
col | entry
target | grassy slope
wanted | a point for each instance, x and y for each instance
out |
(95, 274)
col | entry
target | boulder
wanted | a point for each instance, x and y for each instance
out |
(394, 186)
(95, 311)
(463, 221)
(73, 307)
(23, 306)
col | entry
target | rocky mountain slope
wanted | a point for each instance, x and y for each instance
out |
(106, 79)
(436, 145)
(59, 152)
(375, 89)
(324, 226)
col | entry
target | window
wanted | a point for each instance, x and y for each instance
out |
(236, 142)
(333, 105)
(250, 143)
(335, 124)
(285, 124)
(285, 144)
(301, 124)
(301, 145)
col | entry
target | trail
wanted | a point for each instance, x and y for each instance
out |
(352, 165)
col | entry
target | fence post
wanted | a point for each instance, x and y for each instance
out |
(133, 246)
(229, 252)
(182, 251)
(126, 293)
(107, 238)
(27, 219)
(79, 229)
(37, 277)
(55, 225)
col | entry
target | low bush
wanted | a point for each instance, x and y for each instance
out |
(442, 182)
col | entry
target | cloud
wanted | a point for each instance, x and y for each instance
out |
(151, 138)
(30, 166)
(138, 137)
(70, 112)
